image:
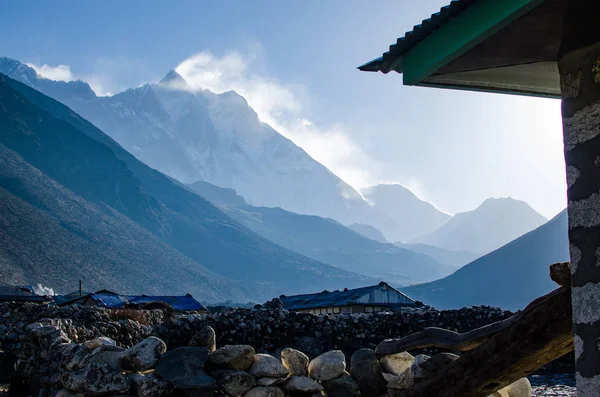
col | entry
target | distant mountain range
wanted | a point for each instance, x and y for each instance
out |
(207, 148)
(217, 138)
(402, 215)
(98, 214)
(369, 232)
(509, 277)
(202, 136)
(328, 241)
(491, 225)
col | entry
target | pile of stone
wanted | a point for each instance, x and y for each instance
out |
(50, 365)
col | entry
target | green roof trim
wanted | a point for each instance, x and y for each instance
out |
(470, 27)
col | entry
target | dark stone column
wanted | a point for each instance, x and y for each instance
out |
(580, 86)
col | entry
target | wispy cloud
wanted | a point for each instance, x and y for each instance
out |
(60, 72)
(63, 73)
(284, 107)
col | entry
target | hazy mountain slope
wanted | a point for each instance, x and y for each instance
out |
(486, 228)
(509, 277)
(328, 241)
(51, 236)
(402, 215)
(216, 138)
(76, 154)
(368, 231)
(218, 195)
(454, 258)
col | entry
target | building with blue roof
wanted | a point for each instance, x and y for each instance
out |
(371, 299)
(112, 300)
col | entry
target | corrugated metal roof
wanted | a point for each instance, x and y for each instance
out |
(329, 299)
(113, 301)
(385, 63)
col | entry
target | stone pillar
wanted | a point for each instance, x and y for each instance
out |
(580, 86)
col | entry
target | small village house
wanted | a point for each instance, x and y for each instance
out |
(544, 48)
(112, 300)
(11, 293)
(372, 299)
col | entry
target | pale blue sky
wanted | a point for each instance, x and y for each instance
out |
(296, 62)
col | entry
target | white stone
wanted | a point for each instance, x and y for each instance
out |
(144, 355)
(267, 366)
(520, 388)
(327, 366)
(397, 363)
(100, 341)
(295, 361)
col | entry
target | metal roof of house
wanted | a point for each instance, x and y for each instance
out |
(329, 299)
(385, 63)
(184, 303)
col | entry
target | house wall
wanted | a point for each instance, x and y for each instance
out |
(384, 294)
(354, 309)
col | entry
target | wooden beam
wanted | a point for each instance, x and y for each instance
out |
(543, 333)
(470, 27)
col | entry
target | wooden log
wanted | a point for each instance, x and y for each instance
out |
(439, 337)
(542, 333)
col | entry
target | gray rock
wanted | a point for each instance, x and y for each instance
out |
(416, 369)
(437, 362)
(270, 381)
(184, 368)
(144, 355)
(233, 356)
(365, 369)
(100, 341)
(206, 337)
(77, 358)
(343, 386)
(265, 391)
(234, 382)
(327, 366)
(64, 393)
(295, 361)
(96, 380)
(302, 384)
(149, 385)
(110, 358)
(267, 366)
(396, 364)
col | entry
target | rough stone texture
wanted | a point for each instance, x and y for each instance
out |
(234, 382)
(520, 388)
(265, 391)
(343, 386)
(233, 356)
(149, 385)
(267, 366)
(97, 380)
(365, 369)
(302, 384)
(144, 355)
(270, 381)
(206, 337)
(327, 366)
(295, 361)
(396, 364)
(581, 130)
(416, 369)
(99, 341)
(184, 368)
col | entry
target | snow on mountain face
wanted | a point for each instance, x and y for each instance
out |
(217, 138)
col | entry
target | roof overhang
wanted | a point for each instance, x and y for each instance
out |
(478, 45)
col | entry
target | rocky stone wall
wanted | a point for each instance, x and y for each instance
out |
(50, 364)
